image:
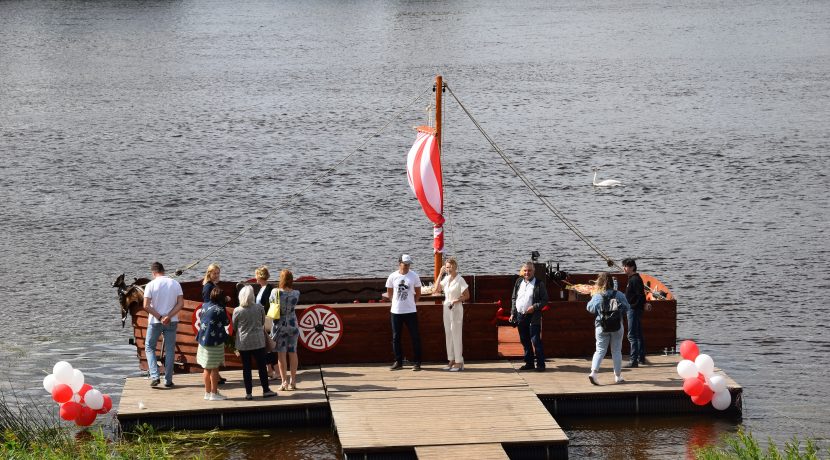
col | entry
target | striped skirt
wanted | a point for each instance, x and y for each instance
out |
(210, 357)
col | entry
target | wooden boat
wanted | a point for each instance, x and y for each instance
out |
(347, 320)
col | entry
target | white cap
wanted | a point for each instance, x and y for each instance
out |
(406, 259)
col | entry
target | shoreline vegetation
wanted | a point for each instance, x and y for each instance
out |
(36, 433)
(30, 431)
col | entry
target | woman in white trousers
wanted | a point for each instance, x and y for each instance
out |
(455, 292)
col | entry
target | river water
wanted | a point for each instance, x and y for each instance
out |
(133, 131)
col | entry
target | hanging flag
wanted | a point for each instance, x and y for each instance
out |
(423, 170)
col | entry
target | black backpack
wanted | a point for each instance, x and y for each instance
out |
(609, 315)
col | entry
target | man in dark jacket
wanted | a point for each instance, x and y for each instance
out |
(529, 296)
(635, 294)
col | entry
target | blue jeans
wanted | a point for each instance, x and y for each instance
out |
(154, 330)
(531, 337)
(411, 322)
(635, 336)
(603, 340)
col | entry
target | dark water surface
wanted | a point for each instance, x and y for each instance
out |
(139, 131)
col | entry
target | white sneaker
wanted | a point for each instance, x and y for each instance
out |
(207, 396)
(217, 397)
(619, 379)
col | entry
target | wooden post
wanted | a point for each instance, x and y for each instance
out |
(439, 88)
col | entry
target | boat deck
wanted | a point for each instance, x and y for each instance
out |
(490, 408)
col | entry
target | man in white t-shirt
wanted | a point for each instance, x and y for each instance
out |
(403, 287)
(163, 299)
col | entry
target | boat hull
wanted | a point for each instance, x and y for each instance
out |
(365, 334)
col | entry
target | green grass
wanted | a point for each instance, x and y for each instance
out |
(743, 446)
(30, 431)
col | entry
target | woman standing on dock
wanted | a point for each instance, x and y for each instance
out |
(249, 318)
(211, 338)
(455, 292)
(285, 331)
(209, 282)
(605, 300)
(262, 275)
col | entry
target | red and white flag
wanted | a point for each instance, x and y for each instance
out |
(423, 169)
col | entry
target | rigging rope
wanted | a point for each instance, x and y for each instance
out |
(556, 212)
(317, 179)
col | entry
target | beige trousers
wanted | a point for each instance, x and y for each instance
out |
(453, 320)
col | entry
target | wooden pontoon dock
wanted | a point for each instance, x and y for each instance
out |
(490, 410)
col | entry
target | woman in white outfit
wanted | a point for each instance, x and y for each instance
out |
(455, 292)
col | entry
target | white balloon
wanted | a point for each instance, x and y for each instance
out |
(49, 383)
(77, 380)
(722, 400)
(94, 399)
(62, 372)
(76, 398)
(717, 383)
(686, 369)
(705, 364)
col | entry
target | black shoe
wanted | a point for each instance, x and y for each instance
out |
(527, 367)
(169, 384)
(155, 383)
(222, 380)
(643, 361)
(416, 367)
(540, 369)
(631, 365)
(268, 394)
(395, 366)
(248, 397)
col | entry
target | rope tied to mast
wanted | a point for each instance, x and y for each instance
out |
(316, 180)
(533, 189)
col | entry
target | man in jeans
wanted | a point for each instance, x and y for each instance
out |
(403, 287)
(529, 296)
(635, 294)
(163, 299)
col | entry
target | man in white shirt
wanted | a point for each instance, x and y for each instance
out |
(403, 287)
(529, 297)
(163, 299)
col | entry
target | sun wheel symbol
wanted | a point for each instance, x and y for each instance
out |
(321, 328)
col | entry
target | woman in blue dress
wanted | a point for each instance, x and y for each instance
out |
(285, 331)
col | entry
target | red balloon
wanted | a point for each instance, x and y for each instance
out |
(69, 411)
(107, 405)
(704, 397)
(693, 386)
(86, 417)
(83, 390)
(61, 393)
(689, 350)
(701, 377)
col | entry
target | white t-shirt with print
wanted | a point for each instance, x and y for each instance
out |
(162, 292)
(403, 294)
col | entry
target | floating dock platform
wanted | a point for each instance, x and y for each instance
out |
(490, 410)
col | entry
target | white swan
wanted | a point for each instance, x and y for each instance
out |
(606, 182)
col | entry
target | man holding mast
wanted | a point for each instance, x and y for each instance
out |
(403, 288)
(163, 299)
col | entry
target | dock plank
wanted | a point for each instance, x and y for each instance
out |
(488, 451)
(569, 376)
(188, 395)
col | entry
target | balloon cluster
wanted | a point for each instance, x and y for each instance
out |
(79, 402)
(699, 379)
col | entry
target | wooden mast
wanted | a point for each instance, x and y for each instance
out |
(439, 88)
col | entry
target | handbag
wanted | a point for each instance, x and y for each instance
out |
(270, 344)
(274, 309)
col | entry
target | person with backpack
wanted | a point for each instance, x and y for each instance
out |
(608, 307)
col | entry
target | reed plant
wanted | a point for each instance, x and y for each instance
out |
(743, 446)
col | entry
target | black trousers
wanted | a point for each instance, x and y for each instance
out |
(259, 356)
(411, 322)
